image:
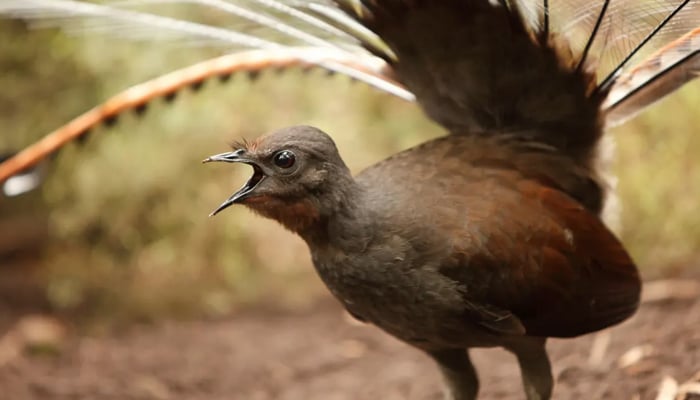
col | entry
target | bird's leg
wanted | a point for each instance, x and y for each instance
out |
(458, 372)
(534, 367)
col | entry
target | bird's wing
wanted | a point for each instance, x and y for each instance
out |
(556, 269)
(541, 66)
(504, 222)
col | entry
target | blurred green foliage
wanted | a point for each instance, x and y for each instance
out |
(130, 237)
(659, 182)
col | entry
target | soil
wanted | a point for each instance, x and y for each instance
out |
(321, 353)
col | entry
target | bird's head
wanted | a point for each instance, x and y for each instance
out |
(297, 176)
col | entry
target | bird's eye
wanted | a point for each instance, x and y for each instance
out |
(284, 159)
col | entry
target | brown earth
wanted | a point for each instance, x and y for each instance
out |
(322, 354)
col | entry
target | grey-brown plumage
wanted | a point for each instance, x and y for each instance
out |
(464, 241)
(488, 237)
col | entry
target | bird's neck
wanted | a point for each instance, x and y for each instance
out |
(345, 221)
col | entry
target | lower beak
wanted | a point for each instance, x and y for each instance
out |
(248, 188)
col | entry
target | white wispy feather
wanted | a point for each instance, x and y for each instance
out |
(613, 35)
(73, 14)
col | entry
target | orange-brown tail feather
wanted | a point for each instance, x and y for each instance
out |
(167, 86)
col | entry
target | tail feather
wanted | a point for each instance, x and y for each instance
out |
(79, 15)
(369, 70)
(369, 39)
(620, 47)
(651, 80)
(263, 19)
(554, 71)
(310, 20)
(477, 68)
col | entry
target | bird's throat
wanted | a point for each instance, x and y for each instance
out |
(298, 215)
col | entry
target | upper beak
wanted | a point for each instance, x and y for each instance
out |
(230, 157)
(238, 157)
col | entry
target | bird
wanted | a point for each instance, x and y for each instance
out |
(458, 243)
(489, 236)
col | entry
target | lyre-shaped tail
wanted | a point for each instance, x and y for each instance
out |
(558, 71)
(652, 79)
(553, 71)
(366, 69)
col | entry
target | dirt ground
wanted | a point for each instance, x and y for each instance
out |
(321, 353)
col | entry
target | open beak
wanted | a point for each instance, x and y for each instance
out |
(245, 191)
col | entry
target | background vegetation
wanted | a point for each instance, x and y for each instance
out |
(126, 213)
